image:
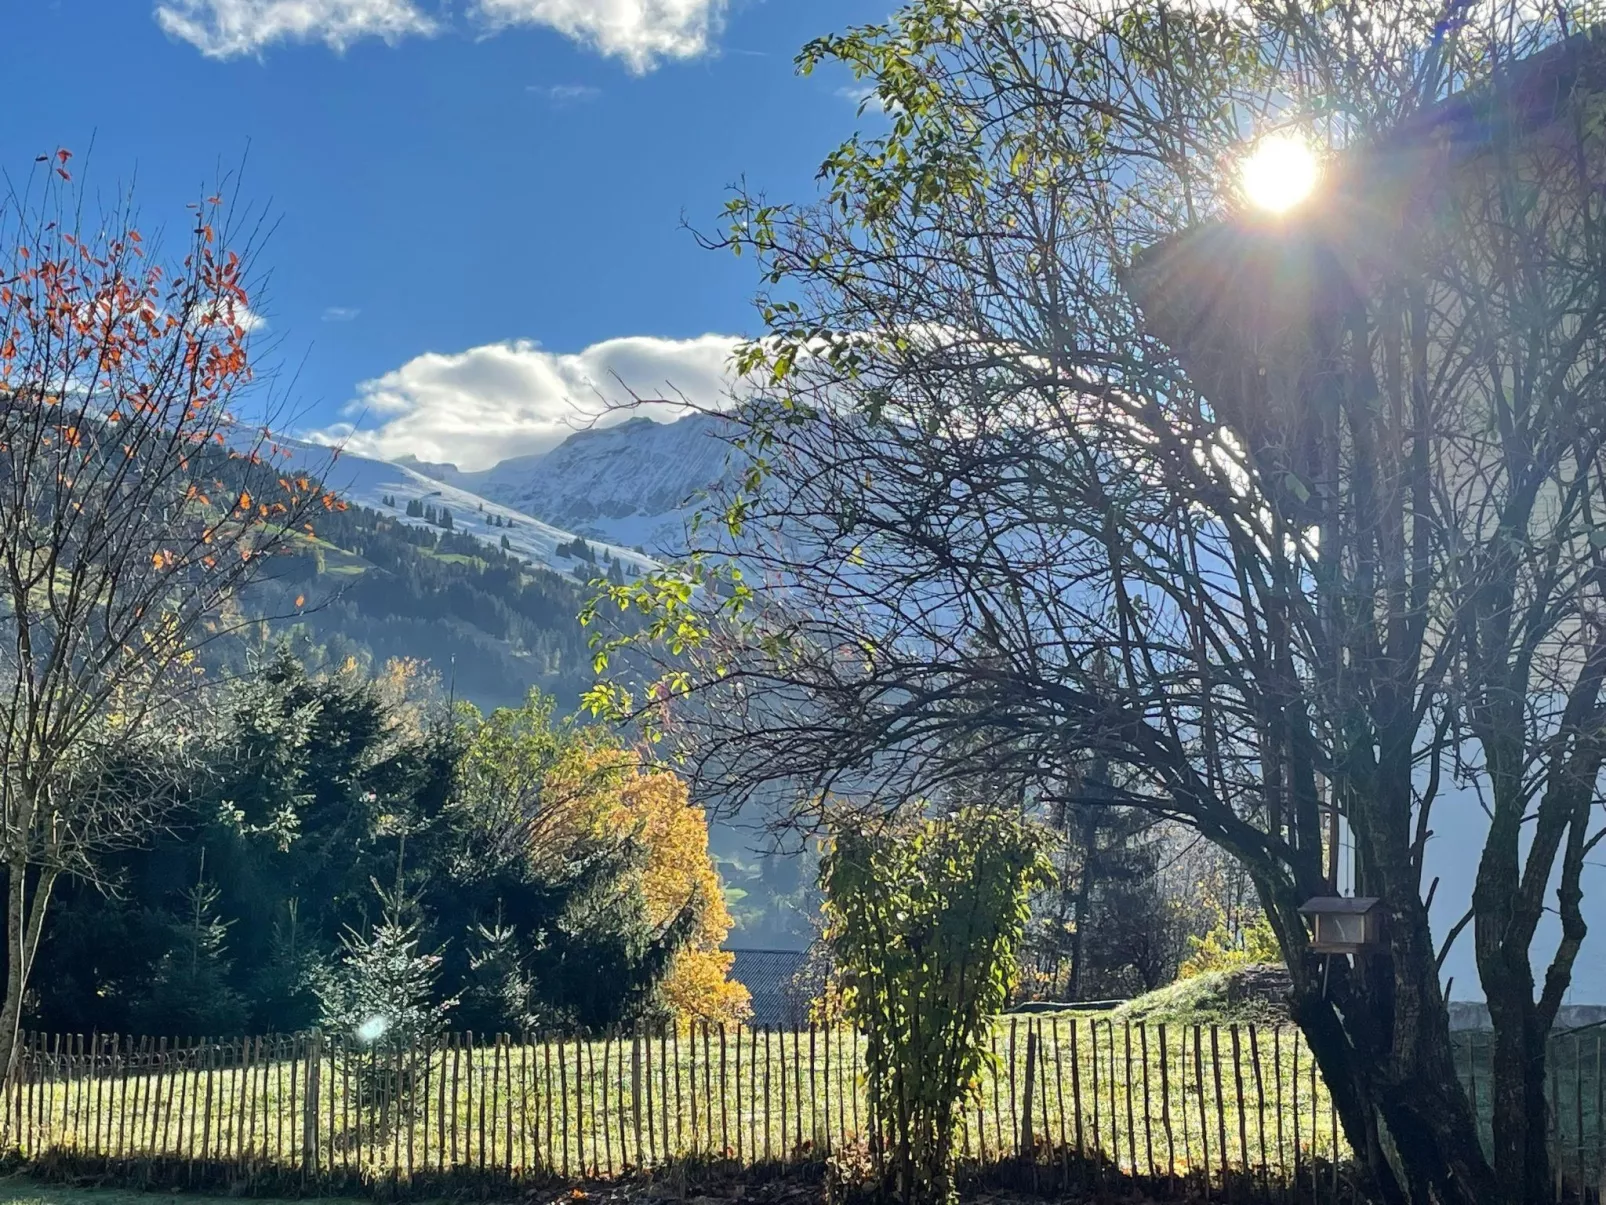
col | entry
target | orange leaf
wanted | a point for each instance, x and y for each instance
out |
(301, 600)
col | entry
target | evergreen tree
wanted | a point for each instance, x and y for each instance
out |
(415, 509)
(383, 987)
(498, 996)
(615, 574)
(190, 990)
(284, 986)
(445, 519)
(507, 544)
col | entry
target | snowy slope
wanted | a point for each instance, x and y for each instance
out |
(629, 485)
(364, 482)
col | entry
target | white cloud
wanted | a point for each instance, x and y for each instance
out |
(641, 32)
(226, 28)
(862, 96)
(340, 313)
(477, 407)
(564, 95)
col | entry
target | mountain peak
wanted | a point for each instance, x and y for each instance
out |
(627, 484)
(428, 468)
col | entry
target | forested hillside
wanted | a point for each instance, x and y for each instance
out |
(487, 623)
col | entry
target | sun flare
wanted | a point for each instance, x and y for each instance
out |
(1279, 173)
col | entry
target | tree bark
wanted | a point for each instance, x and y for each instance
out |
(24, 925)
(1521, 1113)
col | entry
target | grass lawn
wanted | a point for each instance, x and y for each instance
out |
(19, 1190)
(1150, 1096)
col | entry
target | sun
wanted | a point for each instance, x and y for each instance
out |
(1279, 173)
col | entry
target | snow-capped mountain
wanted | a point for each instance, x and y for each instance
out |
(389, 487)
(628, 486)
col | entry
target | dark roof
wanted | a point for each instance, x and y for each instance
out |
(768, 968)
(1339, 905)
(1248, 301)
(776, 981)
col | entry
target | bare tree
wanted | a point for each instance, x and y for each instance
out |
(135, 506)
(1057, 452)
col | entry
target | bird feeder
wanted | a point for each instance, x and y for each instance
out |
(1344, 924)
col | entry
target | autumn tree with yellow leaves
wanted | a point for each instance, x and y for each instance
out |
(568, 803)
(676, 875)
(679, 872)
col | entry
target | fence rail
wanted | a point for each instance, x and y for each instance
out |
(1219, 1106)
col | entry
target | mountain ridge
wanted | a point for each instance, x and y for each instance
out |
(629, 485)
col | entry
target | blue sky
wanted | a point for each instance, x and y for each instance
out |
(477, 203)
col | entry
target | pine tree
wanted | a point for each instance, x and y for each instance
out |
(283, 987)
(507, 545)
(498, 995)
(415, 509)
(190, 990)
(615, 574)
(445, 519)
(383, 988)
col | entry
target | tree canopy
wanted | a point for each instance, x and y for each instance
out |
(538, 877)
(1054, 451)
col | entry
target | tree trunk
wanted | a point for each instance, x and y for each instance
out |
(1521, 1150)
(24, 925)
(1380, 1033)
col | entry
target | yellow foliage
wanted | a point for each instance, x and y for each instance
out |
(1221, 950)
(624, 796)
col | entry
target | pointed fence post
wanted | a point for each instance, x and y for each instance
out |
(1024, 1149)
(309, 1104)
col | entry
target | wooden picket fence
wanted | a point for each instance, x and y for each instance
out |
(1234, 1110)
